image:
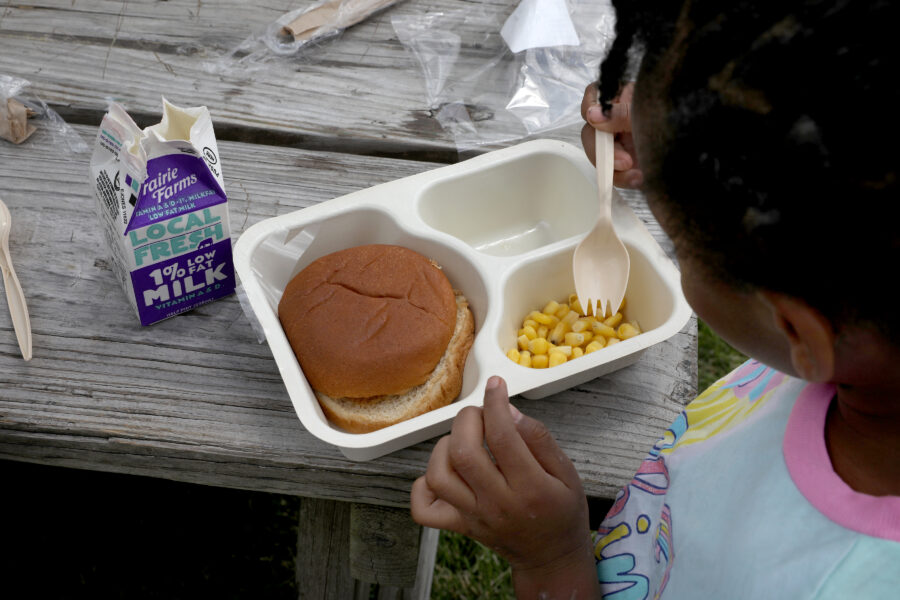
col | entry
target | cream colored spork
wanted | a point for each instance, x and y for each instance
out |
(601, 263)
(14, 296)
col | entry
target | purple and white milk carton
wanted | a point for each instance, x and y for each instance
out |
(161, 199)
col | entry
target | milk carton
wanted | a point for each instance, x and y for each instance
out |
(161, 200)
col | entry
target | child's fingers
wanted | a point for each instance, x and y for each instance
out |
(630, 179)
(513, 457)
(431, 511)
(546, 451)
(469, 458)
(444, 481)
(618, 120)
(589, 99)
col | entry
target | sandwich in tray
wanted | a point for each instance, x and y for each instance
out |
(380, 334)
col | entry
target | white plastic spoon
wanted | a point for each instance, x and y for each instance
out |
(14, 296)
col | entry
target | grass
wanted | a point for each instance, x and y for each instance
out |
(82, 534)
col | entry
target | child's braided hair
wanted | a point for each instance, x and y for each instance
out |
(768, 134)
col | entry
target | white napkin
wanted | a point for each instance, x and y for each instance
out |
(539, 24)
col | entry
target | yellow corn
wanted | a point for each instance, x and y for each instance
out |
(538, 346)
(557, 358)
(566, 350)
(603, 329)
(563, 331)
(570, 318)
(525, 358)
(558, 334)
(614, 320)
(581, 324)
(593, 346)
(543, 319)
(576, 307)
(574, 339)
(522, 342)
(626, 330)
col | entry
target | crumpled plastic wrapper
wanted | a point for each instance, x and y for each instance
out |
(295, 34)
(501, 96)
(24, 116)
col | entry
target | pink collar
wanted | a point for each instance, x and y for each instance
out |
(810, 468)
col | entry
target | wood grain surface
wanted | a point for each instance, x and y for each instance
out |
(197, 398)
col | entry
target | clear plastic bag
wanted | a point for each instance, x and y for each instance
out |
(295, 34)
(48, 126)
(499, 96)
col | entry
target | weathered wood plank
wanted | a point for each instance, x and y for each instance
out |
(384, 545)
(361, 92)
(196, 398)
(322, 565)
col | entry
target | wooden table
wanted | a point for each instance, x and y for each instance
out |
(197, 398)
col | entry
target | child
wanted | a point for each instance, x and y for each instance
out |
(766, 140)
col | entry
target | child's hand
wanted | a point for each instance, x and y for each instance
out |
(526, 503)
(627, 173)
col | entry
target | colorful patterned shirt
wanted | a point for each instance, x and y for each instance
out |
(739, 500)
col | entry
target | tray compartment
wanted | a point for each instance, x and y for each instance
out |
(512, 207)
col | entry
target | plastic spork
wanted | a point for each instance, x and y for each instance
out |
(601, 263)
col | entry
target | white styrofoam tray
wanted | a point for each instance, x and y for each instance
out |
(503, 226)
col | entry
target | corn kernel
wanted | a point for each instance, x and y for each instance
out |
(570, 318)
(577, 352)
(543, 331)
(603, 329)
(614, 320)
(612, 341)
(543, 319)
(551, 307)
(566, 350)
(593, 346)
(530, 323)
(528, 332)
(541, 361)
(557, 358)
(562, 310)
(538, 346)
(525, 358)
(576, 307)
(626, 330)
(581, 324)
(513, 355)
(522, 342)
(558, 334)
(636, 326)
(574, 339)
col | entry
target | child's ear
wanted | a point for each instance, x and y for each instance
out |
(809, 334)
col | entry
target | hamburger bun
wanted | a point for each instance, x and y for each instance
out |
(380, 334)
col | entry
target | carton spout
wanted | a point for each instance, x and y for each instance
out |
(177, 123)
